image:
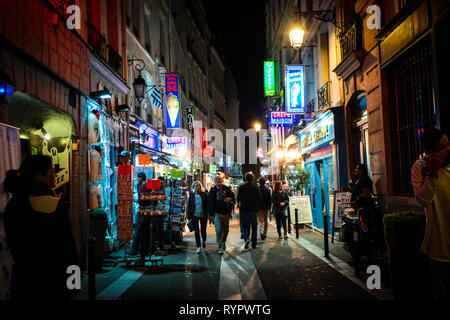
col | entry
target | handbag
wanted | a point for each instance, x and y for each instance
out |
(190, 226)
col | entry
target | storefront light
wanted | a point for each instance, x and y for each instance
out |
(7, 88)
(102, 94)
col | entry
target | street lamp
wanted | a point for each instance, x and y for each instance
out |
(257, 127)
(296, 36)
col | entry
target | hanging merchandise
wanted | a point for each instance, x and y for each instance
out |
(124, 194)
(178, 205)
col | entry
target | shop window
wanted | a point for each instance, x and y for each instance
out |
(412, 111)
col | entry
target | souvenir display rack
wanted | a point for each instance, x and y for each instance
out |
(177, 217)
(151, 205)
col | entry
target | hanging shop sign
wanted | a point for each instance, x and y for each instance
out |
(212, 169)
(270, 80)
(188, 116)
(149, 137)
(124, 205)
(317, 133)
(172, 101)
(281, 118)
(175, 142)
(295, 88)
(177, 174)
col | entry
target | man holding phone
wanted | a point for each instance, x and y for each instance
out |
(430, 178)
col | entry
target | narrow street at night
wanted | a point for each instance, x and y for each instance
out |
(216, 159)
(293, 269)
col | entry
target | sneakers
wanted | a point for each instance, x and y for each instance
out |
(280, 237)
(247, 244)
(204, 244)
(255, 247)
(199, 250)
(263, 237)
(285, 236)
(220, 251)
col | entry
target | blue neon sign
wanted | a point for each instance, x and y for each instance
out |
(295, 88)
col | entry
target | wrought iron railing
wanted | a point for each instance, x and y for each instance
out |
(310, 106)
(61, 6)
(96, 40)
(351, 40)
(115, 60)
(324, 97)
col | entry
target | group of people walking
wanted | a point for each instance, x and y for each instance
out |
(254, 202)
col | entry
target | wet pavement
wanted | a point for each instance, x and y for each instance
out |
(292, 269)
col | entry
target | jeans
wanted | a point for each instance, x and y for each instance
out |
(281, 221)
(440, 279)
(262, 217)
(222, 225)
(203, 221)
(250, 222)
(144, 236)
(135, 246)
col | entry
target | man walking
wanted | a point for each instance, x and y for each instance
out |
(249, 198)
(220, 205)
(264, 207)
(363, 188)
(431, 182)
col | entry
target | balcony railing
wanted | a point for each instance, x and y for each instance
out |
(310, 106)
(96, 40)
(351, 40)
(324, 96)
(61, 6)
(115, 60)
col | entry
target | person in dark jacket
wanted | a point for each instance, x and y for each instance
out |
(198, 213)
(264, 207)
(362, 191)
(220, 205)
(39, 234)
(249, 198)
(138, 237)
(280, 200)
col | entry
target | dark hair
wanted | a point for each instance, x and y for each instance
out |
(17, 180)
(142, 175)
(430, 138)
(363, 167)
(262, 181)
(277, 185)
(249, 177)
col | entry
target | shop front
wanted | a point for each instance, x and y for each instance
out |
(322, 148)
(106, 140)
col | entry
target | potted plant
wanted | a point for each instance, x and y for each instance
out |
(97, 229)
(298, 179)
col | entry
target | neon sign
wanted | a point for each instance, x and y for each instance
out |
(295, 88)
(172, 101)
(269, 79)
(281, 118)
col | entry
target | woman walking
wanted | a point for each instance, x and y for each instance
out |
(280, 200)
(198, 213)
(39, 234)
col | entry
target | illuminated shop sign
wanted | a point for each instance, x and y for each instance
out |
(149, 137)
(172, 101)
(318, 133)
(270, 79)
(281, 118)
(295, 88)
(212, 169)
(175, 142)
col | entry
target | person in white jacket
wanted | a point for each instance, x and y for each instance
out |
(430, 178)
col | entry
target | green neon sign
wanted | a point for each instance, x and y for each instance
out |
(270, 81)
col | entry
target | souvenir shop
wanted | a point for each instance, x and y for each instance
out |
(166, 183)
(322, 148)
(107, 139)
